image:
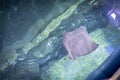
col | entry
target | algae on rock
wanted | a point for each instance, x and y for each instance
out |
(51, 27)
(79, 69)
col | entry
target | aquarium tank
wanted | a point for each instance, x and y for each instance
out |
(59, 39)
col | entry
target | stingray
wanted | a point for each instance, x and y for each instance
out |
(78, 43)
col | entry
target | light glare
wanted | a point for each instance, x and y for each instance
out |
(113, 15)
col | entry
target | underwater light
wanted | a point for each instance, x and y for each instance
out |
(113, 15)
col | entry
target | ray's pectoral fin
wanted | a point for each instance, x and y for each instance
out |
(90, 46)
(78, 43)
(93, 46)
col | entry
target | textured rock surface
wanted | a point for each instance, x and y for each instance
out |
(78, 69)
(23, 20)
(29, 21)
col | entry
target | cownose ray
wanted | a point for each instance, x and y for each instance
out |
(78, 43)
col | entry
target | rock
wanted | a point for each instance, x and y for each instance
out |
(22, 71)
(37, 40)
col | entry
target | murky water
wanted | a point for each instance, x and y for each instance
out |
(31, 37)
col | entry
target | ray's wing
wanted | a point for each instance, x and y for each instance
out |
(78, 43)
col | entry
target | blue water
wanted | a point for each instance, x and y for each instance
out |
(110, 49)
